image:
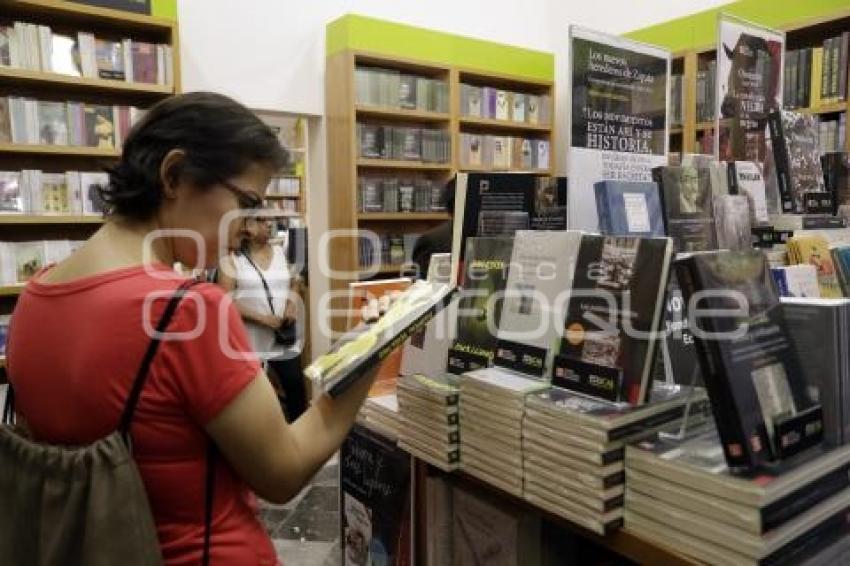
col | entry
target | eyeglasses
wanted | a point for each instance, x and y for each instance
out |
(245, 198)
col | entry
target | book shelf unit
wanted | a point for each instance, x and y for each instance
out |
(800, 32)
(346, 167)
(68, 17)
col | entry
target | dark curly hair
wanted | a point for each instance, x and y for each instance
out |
(221, 139)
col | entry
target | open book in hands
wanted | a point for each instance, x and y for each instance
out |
(355, 354)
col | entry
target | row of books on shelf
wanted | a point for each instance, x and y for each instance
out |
(285, 187)
(503, 152)
(832, 133)
(286, 206)
(19, 261)
(387, 88)
(497, 104)
(37, 192)
(38, 48)
(389, 249)
(385, 194)
(817, 75)
(428, 145)
(39, 122)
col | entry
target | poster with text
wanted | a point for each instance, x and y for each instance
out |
(749, 86)
(375, 501)
(619, 114)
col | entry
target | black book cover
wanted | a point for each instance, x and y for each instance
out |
(375, 499)
(679, 341)
(613, 316)
(796, 152)
(485, 275)
(836, 172)
(687, 206)
(494, 204)
(750, 367)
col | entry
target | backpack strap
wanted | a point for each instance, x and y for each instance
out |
(142, 375)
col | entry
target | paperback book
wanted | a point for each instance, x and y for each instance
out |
(613, 317)
(629, 208)
(687, 198)
(746, 178)
(794, 139)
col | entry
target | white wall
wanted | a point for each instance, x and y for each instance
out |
(269, 54)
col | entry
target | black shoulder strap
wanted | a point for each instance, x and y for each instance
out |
(142, 374)
(263, 279)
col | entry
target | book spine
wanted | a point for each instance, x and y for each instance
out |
(835, 69)
(808, 543)
(802, 74)
(736, 445)
(780, 153)
(732, 178)
(842, 65)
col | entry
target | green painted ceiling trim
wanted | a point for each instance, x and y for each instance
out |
(165, 8)
(381, 37)
(700, 30)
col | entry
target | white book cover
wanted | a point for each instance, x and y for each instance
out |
(88, 57)
(160, 64)
(541, 270)
(751, 183)
(45, 43)
(426, 352)
(32, 121)
(542, 154)
(12, 198)
(532, 104)
(502, 108)
(72, 178)
(127, 51)
(8, 268)
(15, 57)
(56, 251)
(64, 56)
(518, 113)
(29, 259)
(801, 280)
(503, 381)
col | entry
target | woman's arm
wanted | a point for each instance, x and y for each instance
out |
(277, 459)
(227, 282)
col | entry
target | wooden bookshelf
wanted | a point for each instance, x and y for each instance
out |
(507, 126)
(403, 114)
(345, 166)
(479, 169)
(48, 219)
(405, 165)
(67, 17)
(60, 150)
(402, 216)
(282, 197)
(804, 32)
(72, 84)
(11, 290)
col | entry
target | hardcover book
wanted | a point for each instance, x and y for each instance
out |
(485, 274)
(796, 152)
(55, 195)
(90, 186)
(53, 123)
(65, 56)
(759, 401)
(110, 59)
(144, 62)
(629, 208)
(30, 258)
(100, 126)
(12, 197)
(613, 317)
(503, 111)
(687, 199)
(5, 121)
(542, 267)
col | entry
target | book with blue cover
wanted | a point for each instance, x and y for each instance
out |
(629, 208)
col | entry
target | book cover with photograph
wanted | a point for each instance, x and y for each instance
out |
(542, 267)
(375, 500)
(29, 259)
(144, 62)
(110, 59)
(759, 401)
(100, 126)
(687, 201)
(629, 208)
(746, 178)
(55, 195)
(485, 275)
(53, 123)
(732, 221)
(610, 334)
(12, 197)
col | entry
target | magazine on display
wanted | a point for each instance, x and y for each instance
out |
(760, 403)
(356, 354)
(618, 116)
(614, 314)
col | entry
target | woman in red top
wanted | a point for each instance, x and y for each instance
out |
(78, 336)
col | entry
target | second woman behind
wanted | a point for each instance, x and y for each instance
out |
(263, 292)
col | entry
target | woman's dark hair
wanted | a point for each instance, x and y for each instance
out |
(221, 139)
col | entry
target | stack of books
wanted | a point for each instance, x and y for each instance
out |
(573, 448)
(428, 408)
(382, 415)
(681, 493)
(492, 404)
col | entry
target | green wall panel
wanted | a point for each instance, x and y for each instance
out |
(700, 30)
(361, 33)
(166, 8)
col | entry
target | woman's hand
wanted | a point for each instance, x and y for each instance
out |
(272, 321)
(290, 312)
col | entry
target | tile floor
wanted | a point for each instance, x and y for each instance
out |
(305, 531)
